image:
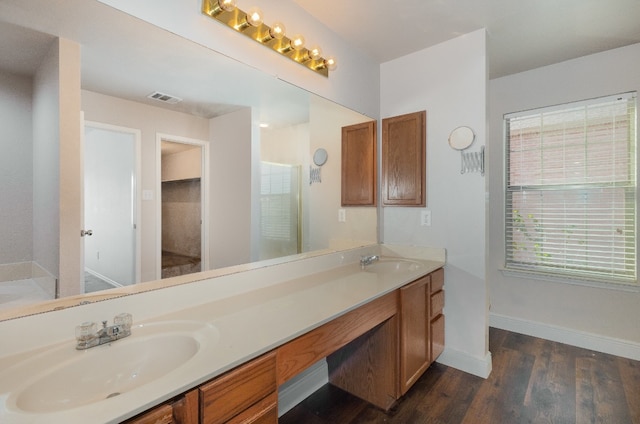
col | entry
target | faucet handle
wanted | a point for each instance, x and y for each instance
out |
(86, 331)
(124, 320)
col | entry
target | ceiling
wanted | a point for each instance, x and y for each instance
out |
(521, 34)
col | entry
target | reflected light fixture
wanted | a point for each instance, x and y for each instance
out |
(251, 24)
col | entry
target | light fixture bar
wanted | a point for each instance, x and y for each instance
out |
(237, 20)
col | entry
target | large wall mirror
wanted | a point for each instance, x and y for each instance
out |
(191, 161)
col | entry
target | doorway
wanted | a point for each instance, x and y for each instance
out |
(111, 206)
(182, 206)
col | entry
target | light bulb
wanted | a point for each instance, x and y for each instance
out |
(330, 63)
(277, 30)
(227, 5)
(315, 53)
(297, 42)
(254, 17)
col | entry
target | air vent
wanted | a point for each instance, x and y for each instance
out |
(165, 98)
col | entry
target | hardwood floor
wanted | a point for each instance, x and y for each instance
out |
(533, 381)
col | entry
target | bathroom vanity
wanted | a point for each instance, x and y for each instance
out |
(379, 327)
(400, 331)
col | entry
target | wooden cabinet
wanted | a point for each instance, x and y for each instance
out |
(359, 164)
(180, 410)
(421, 326)
(376, 352)
(247, 394)
(404, 160)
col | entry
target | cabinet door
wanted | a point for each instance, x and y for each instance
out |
(414, 332)
(359, 164)
(404, 160)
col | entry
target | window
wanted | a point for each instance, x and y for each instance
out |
(571, 190)
(279, 202)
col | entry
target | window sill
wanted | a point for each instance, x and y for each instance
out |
(578, 281)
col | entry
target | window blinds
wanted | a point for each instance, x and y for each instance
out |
(571, 190)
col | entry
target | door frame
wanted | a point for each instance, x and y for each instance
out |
(137, 190)
(204, 198)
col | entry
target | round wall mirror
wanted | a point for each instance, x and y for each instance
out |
(461, 138)
(320, 157)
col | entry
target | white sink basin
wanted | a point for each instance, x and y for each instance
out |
(393, 265)
(65, 378)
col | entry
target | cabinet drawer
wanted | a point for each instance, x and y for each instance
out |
(162, 414)
(437, 337)
(437, 303)
(232, 393)
(437, 280)
(263, 412)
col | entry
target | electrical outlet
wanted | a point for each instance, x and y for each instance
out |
(425, 218)
(342, 215)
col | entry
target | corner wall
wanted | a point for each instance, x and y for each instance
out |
(16, 169)
(231, 186)
(449, 81)
(604, 319)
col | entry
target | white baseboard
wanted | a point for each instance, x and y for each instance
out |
(465, 362)
(103, 277)
(302, 386)
(599, 343)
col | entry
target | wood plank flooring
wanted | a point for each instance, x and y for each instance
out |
(533, 381)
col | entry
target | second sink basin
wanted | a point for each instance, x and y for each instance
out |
(393, 265)
(64, 378)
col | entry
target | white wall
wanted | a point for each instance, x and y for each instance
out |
(16, 169)
(599, 318)
(360, 227)
(449, 82)
(150, 120)
(231, 174)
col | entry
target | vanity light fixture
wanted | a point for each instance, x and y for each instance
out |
(251, 24)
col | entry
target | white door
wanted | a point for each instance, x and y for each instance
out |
(111, 206)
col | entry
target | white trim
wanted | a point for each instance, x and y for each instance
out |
(577, 280)
(597, 342)
(302, 386)
(204, 196)
(463, 361)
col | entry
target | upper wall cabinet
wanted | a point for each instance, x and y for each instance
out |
(404, 144)
(359, 164)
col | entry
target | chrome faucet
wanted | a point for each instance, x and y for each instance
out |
(87, 335)
(368, 260)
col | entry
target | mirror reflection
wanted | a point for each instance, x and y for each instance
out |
(191, 161)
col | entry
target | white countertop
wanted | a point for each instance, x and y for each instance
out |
(247, 324)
